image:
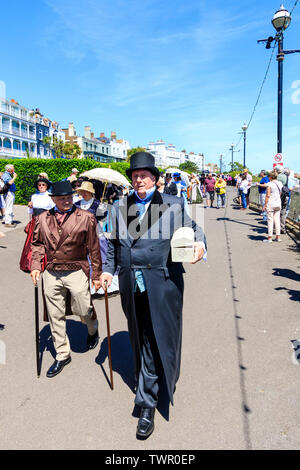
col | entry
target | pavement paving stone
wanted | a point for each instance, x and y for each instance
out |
(240, 376)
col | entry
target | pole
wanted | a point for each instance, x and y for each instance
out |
(244, 148)
(280, 59)
(108, 337)
(221, 163)
(232, 158)
(37, 330)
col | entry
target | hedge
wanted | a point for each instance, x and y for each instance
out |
(28, 170)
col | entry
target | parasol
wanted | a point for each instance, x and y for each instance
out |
(183, 174)
(107, 175)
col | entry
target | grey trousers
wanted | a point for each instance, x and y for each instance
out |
(151, 372)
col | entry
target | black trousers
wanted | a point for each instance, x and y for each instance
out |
(151, 372)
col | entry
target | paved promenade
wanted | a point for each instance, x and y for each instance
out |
(240, 378)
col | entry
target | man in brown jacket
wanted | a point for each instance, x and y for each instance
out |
(66, 235)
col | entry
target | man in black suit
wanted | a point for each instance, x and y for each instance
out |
(150, 283)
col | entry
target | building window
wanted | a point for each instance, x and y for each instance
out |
(40, 134)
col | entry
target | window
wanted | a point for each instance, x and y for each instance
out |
(40, 134)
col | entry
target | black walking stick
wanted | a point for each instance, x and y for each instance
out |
(37, 330)
(108, 336)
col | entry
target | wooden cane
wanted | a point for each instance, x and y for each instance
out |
(37, 329)
(108, 336)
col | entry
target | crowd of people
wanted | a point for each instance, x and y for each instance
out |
(275, 190)
(62, 246)
(81, 249)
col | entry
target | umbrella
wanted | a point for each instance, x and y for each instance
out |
(183, 174)
(107, 175)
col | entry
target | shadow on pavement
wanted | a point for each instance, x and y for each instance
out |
(257, 238)
(77, 334)
(294, 294)
(296, 347)
(239, 339)
(122, 357)
(288, 273)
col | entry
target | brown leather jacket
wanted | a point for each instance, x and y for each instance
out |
(68, 245)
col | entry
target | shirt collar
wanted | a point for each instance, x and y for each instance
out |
(149, 194)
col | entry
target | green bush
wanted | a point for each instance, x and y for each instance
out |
(28, 169)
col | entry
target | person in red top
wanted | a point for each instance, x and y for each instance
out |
(209, 184)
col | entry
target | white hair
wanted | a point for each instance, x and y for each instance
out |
(9, 167)
(279, 168)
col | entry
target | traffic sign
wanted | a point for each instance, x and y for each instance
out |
(278, 158)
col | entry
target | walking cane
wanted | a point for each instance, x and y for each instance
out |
(37, 330)
(108, 336)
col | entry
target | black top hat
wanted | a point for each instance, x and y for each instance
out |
(143, 161)
(61, 188)
(42, 180)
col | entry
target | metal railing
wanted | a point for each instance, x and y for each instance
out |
(294, 209)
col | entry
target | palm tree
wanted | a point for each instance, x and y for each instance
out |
(47, 141)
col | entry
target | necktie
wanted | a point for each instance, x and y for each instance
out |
(141, 204)
(60, 217)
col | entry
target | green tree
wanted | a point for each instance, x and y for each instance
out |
(47, 141)
(132, 151)
(58, 146)
(189, 167)
(71, 150)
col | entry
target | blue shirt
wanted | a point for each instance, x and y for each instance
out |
(6, 177)
(264, 180)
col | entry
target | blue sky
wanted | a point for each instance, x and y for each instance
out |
(187, 72)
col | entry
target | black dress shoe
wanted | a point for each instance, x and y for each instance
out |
(92, 340)
(57, 367)
(145, 425)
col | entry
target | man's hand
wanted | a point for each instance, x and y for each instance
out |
(96, 284)
(105, 280)
(35, 276)
(198, 253)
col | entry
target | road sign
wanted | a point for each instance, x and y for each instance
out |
(277, 164)
(278, 158)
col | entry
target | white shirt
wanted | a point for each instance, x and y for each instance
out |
(274, 199)
(41, 201)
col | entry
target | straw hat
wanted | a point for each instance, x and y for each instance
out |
(86, 186)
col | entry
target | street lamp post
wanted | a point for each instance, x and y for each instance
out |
(281, 21)
(232, 152)
(244, 127)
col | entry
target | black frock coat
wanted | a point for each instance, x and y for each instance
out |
(147, 247)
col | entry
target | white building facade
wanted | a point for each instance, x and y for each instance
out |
(22, 131)
(101, 149)
(168, 156)
(17, 131)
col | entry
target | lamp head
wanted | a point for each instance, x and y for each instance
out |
(244, 127)
(282, 19)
